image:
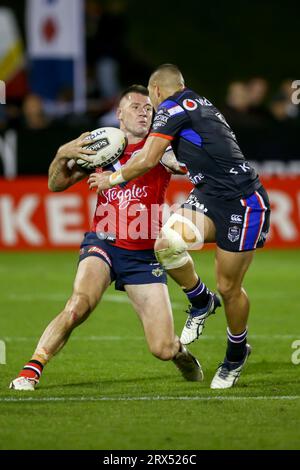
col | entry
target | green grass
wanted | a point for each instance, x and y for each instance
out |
(107, 358)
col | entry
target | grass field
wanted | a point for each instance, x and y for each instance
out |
(105, 391)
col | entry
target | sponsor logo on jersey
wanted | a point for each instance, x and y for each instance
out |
(196, 179)
(125, 196)
(190, 105)
(96, 249)
(204, 102)
(234, 234)
(237, 219)
(161, 119)
(175, 110)
(193, 201)
(245, 167)
(157, 272)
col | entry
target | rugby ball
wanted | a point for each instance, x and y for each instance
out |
(109, 145)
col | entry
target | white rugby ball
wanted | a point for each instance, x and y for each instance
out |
(109, 145)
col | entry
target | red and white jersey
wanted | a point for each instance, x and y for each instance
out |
(131, 213)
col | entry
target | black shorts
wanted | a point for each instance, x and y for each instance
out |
(127, 267)
(241, 224)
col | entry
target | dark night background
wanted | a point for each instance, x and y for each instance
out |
(219, 42)
(216, 44)
(213, 42)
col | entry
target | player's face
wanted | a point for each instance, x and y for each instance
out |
(135, 114)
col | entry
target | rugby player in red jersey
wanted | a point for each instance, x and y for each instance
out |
(119, 248)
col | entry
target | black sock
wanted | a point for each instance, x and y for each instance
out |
(198, 295)
(236, 346)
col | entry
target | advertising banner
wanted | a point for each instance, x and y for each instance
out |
(31, 217)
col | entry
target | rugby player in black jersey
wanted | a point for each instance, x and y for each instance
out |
(228, 205)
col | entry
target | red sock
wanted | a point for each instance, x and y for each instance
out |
(32, 370)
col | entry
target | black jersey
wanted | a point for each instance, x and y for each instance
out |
(202, 139)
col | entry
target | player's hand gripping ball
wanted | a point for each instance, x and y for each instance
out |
(108, 142)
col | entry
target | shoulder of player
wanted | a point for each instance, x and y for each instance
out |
(166, 105)
(181, 102)
(190, 100)
(175, 99)
(169, 108)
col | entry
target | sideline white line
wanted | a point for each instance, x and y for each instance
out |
(19, 339)
(147, 398)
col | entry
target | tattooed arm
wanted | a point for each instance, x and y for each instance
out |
(64, 171)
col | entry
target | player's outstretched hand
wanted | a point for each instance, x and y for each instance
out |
(76, 149)
(100, 181)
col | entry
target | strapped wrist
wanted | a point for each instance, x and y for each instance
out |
(116, 178)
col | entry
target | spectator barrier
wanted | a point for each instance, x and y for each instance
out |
(32, 218)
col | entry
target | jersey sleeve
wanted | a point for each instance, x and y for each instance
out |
(169, 120)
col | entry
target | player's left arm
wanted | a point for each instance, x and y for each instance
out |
(146, 159)
(156, 149)
(141, 163)
(169, 120)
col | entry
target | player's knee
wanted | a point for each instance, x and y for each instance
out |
(177, 236)
(163, 351)
(228, 288)
(170, 250)
(78, 308)
(187, 232)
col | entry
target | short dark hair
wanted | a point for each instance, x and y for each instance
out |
(142, 90)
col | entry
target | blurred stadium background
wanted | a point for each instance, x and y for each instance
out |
(64, 63)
